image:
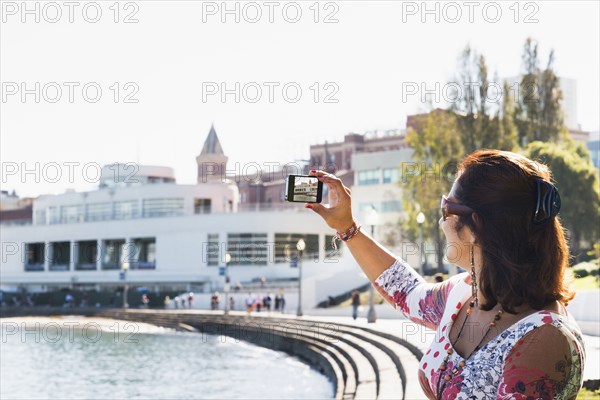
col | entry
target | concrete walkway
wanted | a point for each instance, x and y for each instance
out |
(392, 321)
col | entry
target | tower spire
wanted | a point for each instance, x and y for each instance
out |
(212, 161)
(212, 145)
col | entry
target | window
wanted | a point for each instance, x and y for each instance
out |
(364, 207)
(40, 217)
(35, 256)
(212, 250)
(71, 214)
(53, 215)
(391, 206)
(247, 248)
(202, 206)
(383, 206)
(285, 247)
(126, 209)
(61, 256)
(369, 177)
(391, 175)
(98, 212)
(87, 255)
(144, 254)
(112, 254)
(166, 207)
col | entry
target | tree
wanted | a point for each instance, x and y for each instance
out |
(484, 121)
(501, 133)
(438, 149)
(470, 96)
(578, 184)
(539, 114)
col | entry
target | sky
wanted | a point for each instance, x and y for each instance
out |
(95, 83)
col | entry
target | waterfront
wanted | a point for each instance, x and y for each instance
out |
(99, 358)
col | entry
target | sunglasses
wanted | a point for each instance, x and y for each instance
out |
(450, 208)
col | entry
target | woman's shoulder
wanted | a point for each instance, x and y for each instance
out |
(547, 325)
(459, 284)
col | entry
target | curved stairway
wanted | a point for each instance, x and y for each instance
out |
(362, 363)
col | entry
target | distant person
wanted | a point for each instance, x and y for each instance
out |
(69, 300)
(282, 303)
(84, 300)
(249, 303)
(231, 303)
(176, 302)
(190, 299)
(355, 303)
(145, 300)
(267, 302)
(182, 301)
(277, 302)
(166, 302)
(214, 301)
(259, 303)
(237, 286)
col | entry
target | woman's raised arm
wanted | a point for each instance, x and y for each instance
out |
(397, 282)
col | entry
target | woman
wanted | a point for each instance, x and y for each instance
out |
(502, 329)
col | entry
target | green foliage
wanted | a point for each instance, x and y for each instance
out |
(578, 183)
(580, 273)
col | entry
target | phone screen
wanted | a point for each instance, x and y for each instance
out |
(304, 189)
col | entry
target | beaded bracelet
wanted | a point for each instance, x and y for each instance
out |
(347, 235)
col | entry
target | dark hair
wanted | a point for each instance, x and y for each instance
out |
(524, 262)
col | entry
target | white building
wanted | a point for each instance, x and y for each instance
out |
(142, 227)
(377, 177)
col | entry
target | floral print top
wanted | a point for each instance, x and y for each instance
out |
(517, 364)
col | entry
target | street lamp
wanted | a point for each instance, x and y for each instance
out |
(300, 246)
(124, 269)
(226, 287)
(371, 218)
(420, 220)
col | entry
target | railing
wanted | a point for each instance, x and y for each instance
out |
(143, 265)
(85, 267)
(265, 207)
(15, 222)
(58, 267)
(270, 286)
(34, 267)
(247, 207)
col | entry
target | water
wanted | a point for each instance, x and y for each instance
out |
(82, 361)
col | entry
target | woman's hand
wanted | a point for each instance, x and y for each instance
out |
(339, 213)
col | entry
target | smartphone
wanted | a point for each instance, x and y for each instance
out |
(303, 189)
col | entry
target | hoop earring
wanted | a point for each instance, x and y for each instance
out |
(473, 277)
